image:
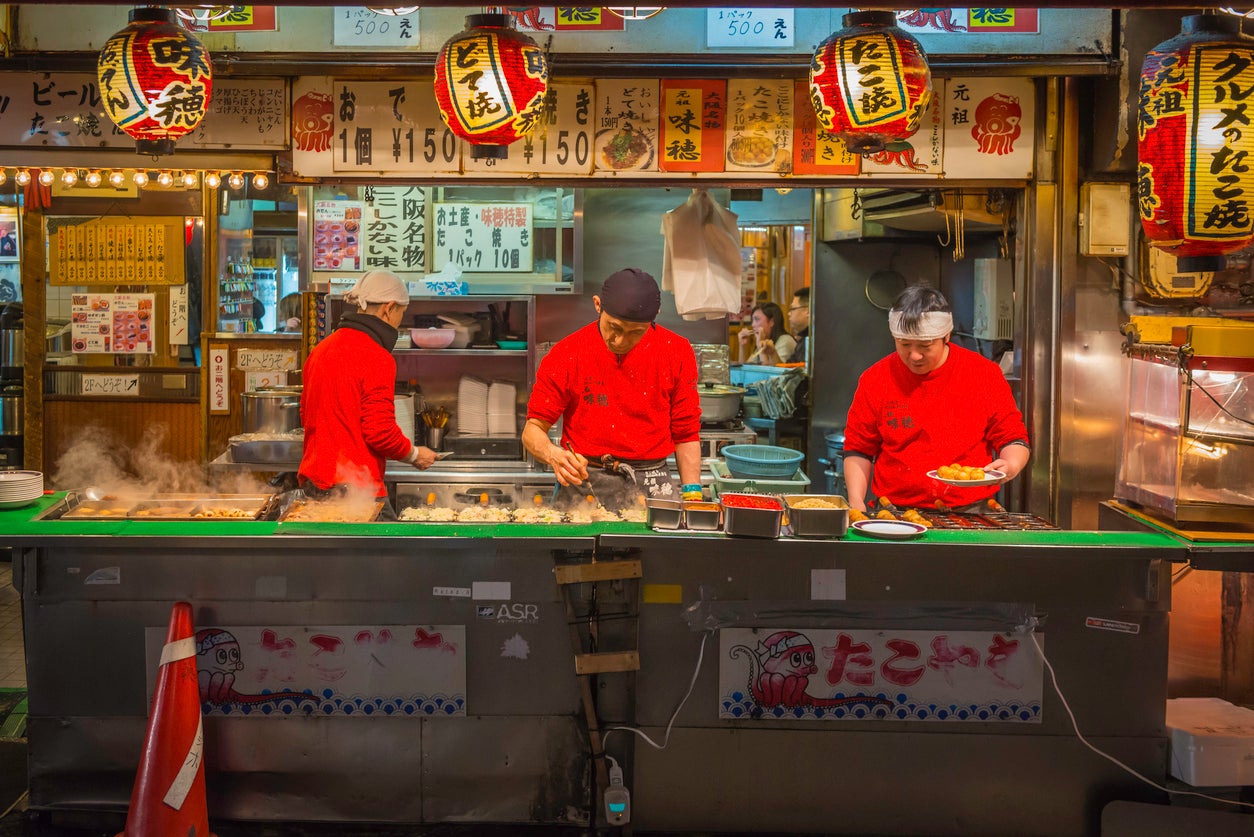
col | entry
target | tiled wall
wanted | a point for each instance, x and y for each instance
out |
(59, 301)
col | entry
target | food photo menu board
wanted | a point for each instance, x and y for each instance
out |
(337, 235)
(112, 324)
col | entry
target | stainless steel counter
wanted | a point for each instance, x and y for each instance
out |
(451, 470)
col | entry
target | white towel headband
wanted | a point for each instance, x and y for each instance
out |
(932, 326)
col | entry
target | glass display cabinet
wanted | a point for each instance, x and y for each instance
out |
(1188, 443)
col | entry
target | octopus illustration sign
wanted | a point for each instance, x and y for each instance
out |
(245, 671)
(832, 674)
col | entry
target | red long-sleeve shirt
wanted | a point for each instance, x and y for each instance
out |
(910, 424)
(638, 406)
(348, 410)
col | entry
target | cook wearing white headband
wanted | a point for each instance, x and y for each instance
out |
(927, 405)
(347, 404)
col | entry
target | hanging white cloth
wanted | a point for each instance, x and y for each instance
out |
(701, 263)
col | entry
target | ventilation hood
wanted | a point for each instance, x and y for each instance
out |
(934, 210)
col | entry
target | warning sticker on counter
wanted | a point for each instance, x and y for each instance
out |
(1111, 625)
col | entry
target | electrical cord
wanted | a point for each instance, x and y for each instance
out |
(1075, 726)
(1182, 362)
(665, 738)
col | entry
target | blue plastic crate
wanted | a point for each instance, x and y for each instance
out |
(745, 461)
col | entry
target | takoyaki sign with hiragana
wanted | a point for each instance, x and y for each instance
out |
(416, 670)
(894, 675)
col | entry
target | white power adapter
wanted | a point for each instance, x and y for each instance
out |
(617, 797)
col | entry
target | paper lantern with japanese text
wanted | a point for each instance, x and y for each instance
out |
(155, 80)
(1195, 143)
(869, 82)
(490, 82)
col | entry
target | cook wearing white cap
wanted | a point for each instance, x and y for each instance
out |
(347, 405)
(928, 405)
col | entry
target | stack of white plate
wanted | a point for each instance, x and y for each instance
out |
(20, 488)
(472, 406)
(405, 415)
(502, 419)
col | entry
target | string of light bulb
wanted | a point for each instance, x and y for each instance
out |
(116, 178)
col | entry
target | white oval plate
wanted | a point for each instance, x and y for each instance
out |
(890, 530)
(990, 478)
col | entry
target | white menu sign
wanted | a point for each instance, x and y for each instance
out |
(219, 380)
(396, 228)
(112, 324)
(759, 28)
(358, 26)
(127, 385)
(178, 315)
(392, 126)
(561, 142)
(483, 237)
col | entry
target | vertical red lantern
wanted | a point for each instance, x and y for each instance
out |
(490, 82)
(1195, 143)
(870, 83)
(155, 80)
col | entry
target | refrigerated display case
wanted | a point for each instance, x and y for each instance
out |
(274, 274)
(1188, 441)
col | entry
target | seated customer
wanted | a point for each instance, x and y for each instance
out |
(799, 323)
(772, 344)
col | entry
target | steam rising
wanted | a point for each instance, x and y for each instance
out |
(96, 460)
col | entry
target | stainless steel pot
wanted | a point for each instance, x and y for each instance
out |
(11, 418)
(720, 402)
(12, 348)
(271, 410)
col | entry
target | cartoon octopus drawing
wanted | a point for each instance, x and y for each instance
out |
(898, 153)
(312, 122)
(784, 663)
(941, 19)
(529, 17)
(217, 660)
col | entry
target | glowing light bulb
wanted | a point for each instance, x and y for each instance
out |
(260, 181)
(141, 178)
(45, 177)
(116, 178)
(93, 178)
(69, 177)
(22, 178)
(212, 179)
(189, 179)
(4, 175)
(236, 180)
(165, 179)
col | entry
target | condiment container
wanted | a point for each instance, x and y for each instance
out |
(752, 515)
(830, 521)
(702, 515)
(664, 514)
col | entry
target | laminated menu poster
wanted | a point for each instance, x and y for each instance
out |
(112, 324)
(337, 235)
(626, 118)
(759, 125)
(116, 250)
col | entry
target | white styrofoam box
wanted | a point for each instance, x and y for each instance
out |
(1212, 742)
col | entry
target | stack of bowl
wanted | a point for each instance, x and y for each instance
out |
(20, 488)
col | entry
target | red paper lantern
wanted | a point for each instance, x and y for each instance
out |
(870, 83)
(1195, 143)
(490, 82)
(155, 80)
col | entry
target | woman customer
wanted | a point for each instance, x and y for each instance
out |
(773, 344)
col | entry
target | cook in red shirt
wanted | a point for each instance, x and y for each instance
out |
(347, 403)
(930, 404)
(623, 386)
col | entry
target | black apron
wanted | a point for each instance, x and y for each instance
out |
(617, 491)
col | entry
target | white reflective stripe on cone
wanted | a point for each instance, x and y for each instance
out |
(180, 649)
(182, 783)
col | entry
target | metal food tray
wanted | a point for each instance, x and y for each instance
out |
(267, 451)
(79, 508)
(251, 504)
(330, 511)
(822, 522)
(162, 509)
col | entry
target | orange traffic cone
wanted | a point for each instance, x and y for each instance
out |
(169, 794)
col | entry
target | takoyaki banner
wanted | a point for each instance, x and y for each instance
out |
(811, 674)
(977, 128)
(402, 670)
